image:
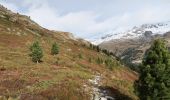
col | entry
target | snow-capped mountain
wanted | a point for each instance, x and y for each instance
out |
(135, 32)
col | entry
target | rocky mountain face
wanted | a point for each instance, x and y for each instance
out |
(135, 32)
(130, 46)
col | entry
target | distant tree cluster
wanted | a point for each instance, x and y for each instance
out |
(107, 52)
(95, 47)
(98, 49)
(109, 62)
(37, 52)
(154, 80)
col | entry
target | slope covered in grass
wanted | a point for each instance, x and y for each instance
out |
(64, 76)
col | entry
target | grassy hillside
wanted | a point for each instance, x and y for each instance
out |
(64, 76)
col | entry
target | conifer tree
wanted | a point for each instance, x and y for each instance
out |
(154, 80)
(98, 48)
(55, 49)
(36, 52)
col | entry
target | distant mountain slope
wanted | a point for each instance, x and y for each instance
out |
(135, 32)
(74, 74)
(130, 46)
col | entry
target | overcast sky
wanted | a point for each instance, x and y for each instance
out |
(86, 18)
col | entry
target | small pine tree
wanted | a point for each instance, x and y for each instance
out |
(55, 49)
(91, 46)
(154, 80)
(36, 52)
(98, 48)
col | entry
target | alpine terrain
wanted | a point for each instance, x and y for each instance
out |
(41, 64)
(130, 46)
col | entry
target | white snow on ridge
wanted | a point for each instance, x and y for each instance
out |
(157, 28)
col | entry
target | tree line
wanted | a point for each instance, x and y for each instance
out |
(105, 51)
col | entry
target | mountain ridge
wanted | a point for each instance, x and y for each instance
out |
(132, 50)
(135, 32)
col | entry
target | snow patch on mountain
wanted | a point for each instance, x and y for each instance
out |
(135, 32)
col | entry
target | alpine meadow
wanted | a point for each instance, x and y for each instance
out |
(84, 50)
